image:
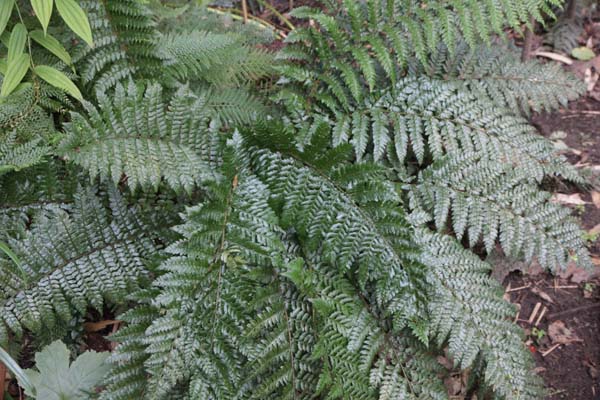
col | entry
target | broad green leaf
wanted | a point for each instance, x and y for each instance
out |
(43, 11)
(583, 53)
(76, 19)
(3, 66)
(56, 380)
(5, 38)
(16, 44)
(58, 79)
(53, 45)
(6, 7)
(16, 370)
(15, 72)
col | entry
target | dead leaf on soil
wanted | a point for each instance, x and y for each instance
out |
(555, 57)
(504, 266)
(595, 230)
(560, 334)
(575, 273)
(574, 199)
(596, 198)
(542, 295)
(98, 326)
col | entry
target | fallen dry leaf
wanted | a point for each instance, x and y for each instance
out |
(574, 199)
(575, 274)
(98, 326)
(595, 230)
(555, 57)
(542, 295)
(596, 198)
(560, 334)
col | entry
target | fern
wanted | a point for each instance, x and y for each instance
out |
(14, 156)
(304, 265)
(219, 59)
(498, 74)
(125, 42)
(70, 260)
(147, 141)
(489, 202)
(458, 280)
(32, 194)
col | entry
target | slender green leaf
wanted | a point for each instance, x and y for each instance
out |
(3, 66)
(14, 368)
(51, 44)
(16, 45)
(43, 11)
(6, 7)
(15, 72)
(76, 19)
(58, 79)
(8, 251)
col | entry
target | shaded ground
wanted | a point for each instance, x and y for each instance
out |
(569, 362)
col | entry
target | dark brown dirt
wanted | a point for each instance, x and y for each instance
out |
(570, 371)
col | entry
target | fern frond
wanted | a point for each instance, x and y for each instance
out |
(467, 312)
(384, 35)
(32, 194)
(498, 74)
(17, 156)
(147, 140)
(219, 59)
(124, 45)
(427, 119)
(22, 112)
(490, 202)
(70, 260)
(351, 212)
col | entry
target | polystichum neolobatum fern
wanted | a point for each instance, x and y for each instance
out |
(319, 239)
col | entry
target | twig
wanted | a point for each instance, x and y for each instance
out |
(544, 311)
(519, 288)
(534, 313)
(551, 349)
(564, 287)
(245, 10)
(573, 310)
(574, 114)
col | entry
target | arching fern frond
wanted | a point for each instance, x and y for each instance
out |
(362, 230)
(468, 314)
(498, 74)
(147, 140)
(71, 260)
(427, 119)
(380, 37)
(125, 45)
(16, 156)
(488, 201)
(32, 194)
(218, 59)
